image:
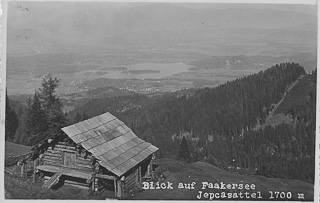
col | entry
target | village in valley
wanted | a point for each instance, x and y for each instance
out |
(161, 101)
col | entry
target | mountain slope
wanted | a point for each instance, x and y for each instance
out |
(297, 96)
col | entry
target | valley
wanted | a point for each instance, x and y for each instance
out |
(80, 72)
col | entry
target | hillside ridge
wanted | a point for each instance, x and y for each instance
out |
(275, 118)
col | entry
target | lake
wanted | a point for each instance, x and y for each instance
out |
(147, 71)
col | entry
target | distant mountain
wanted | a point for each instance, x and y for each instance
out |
(310, 65)
(257, 62)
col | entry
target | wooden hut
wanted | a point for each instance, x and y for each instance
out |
(102, 152)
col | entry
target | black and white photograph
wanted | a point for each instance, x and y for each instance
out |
(159, 100)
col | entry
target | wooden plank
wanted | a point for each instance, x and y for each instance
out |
(84, 166)
(94, 122)
(115, 187)
(53, 154)
(66, 171)
(108, 156)
(117, 161)
(52, 181)
(127, 165)
(100, 139)
(86, 135)
(119, 189)
(88, 158)
(97, 151)
(90, 143)
(112, 124)
(86, 162)
(106, 147)
(53, 163)
(70, 147)
(107, 117)
(126, 128)
(69, 131)
(53, 151)
(153, 148)
(103, 176)
(128, 145)
(76, 139)
(83, 169)
(68, 150)
(102, 129)
(137, 140)
(122, 130)
(82, 127)
(119, 150)
(60, 146)
(76, 183)
(130, 183)
(121, 140)
(118, 122)
(131, 177)
(52, 158)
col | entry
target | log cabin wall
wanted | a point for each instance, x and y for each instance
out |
(132, 179)
(67, 156)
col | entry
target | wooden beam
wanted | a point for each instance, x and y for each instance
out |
(103, 176)
(22, 170)
(139, 172)
(34, 170)
(66, 150)
(115, 187)
(119, 189)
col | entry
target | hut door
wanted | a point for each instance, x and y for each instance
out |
(69, 159)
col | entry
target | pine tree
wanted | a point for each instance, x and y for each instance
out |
(37, 119)
(12, 122)
(44, 115)
(184, 153)
(51, 103)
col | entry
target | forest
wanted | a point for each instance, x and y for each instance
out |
(224, 126)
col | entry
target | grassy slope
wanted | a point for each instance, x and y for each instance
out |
(17, 188)
(173, 171)
(12, 149)
(178, 172)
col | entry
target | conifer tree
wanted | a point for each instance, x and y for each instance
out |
(12, 122)
(51, 103)
(184, 153)
(36, 117)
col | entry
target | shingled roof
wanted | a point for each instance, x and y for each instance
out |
(115, 146)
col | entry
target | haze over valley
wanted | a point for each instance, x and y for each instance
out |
(152, 47)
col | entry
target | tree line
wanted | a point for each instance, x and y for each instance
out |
(42, 117)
